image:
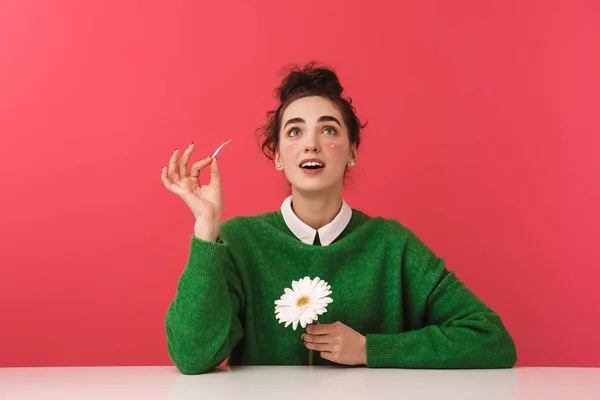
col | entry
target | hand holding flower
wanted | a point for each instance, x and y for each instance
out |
(337, 343)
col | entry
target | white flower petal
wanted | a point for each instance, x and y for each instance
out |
(289, 298)
(304, 285)
(313, 284)
(296, 287)
(287, 313)
(324, 300)
(303, 323)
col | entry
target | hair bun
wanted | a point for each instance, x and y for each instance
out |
(305, 81)
(308, 80)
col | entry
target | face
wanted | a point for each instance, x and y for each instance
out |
(314, 146)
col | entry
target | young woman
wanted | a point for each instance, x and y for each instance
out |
(394, 303)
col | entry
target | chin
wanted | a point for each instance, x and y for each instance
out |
(323, 182)
(315, 186)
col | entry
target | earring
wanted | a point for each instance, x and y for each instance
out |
(278, 165)
(352, 163)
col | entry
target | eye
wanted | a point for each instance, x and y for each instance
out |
(330, 130)
(293, 132)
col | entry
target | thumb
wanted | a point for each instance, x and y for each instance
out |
(215, 173)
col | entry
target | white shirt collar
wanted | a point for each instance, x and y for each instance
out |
(306, 234)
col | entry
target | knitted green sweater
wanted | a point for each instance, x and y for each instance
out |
(386, 284)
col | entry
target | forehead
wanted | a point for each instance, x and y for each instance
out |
(310, 109)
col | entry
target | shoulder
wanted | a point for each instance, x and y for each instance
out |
(392, 231)
(386, 226)
(246, 223)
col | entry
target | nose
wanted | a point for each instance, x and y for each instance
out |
(312, 144)
(310, 148)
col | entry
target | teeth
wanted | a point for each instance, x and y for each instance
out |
(311, 164)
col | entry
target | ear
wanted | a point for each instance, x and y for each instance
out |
(353, 153)
(278, 164)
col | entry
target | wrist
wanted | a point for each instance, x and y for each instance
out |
(204, 232)
(206, 238)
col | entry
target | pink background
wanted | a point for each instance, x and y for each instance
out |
(483, 139)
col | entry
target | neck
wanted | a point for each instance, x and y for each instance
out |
(316, 210)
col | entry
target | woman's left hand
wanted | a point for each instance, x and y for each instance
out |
(337, 342)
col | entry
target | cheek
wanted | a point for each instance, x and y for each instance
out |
(334, 149)
(288, 150)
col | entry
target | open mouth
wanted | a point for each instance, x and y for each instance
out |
(312, 164)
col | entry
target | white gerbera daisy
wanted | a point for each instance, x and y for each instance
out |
(304, 303)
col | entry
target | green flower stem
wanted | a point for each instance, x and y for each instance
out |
(311, 353)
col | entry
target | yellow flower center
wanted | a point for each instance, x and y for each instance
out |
(302, 301)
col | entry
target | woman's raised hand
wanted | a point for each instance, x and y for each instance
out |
(205, 201)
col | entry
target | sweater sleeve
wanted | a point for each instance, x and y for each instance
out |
(202, 323)
(447, 325)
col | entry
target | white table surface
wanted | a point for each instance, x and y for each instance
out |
(287, 383)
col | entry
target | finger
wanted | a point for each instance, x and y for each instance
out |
(169, 184)
(319, 346)
(215, 173)
(185, 158)
(199, 166)
(172, 172)
(316, 338)
(328, 356)
(165, 178)
(319, 329)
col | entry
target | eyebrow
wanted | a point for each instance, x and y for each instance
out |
(324, 118)
(294, 121)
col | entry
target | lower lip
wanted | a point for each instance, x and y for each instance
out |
(312, 171)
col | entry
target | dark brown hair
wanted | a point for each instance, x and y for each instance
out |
(300, 82)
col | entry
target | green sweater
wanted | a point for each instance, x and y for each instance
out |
(386, 284)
